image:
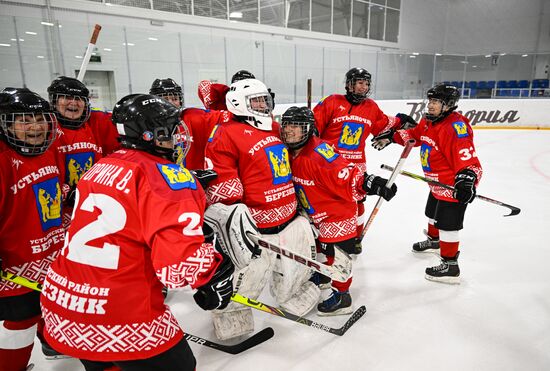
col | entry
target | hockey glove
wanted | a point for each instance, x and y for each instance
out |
(204, 176)
(383, 140)
(407, 122)
(216, 294)
(465, 186)
(375, 185)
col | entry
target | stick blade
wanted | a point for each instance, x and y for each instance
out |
(256, 339)
(356, 316)
(515, 211)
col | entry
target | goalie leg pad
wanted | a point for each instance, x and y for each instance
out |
(304, 300)
(289, 276)
(236, 320)
(232, 223)
(228, 325)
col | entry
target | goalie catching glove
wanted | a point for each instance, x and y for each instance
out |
(375, 185)
(216, 293)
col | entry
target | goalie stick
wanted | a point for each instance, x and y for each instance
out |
(513, 210)
(339, 271)
(256, 339)
(408, 146)
(355, 316)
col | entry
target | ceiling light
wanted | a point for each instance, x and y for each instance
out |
(5, 44)
(40, 56)
(412, 56)
(30, 33)
(129, 44)
(152, 38)
(488, 56)
(415, 53)
(235, 15)
(47, 24)
(78, 56)
(438, 54)
(108, 50)
(525, 55)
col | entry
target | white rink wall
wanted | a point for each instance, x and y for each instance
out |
(483, 113)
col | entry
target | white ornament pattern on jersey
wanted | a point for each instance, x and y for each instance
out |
(188, 272)
(124, 338)
(268, 216)
(342, 228)
(230, 189)
(33, 271)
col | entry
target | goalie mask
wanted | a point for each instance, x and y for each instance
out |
(71, 100)
(169, 90)
(357, 85)
(152, 124)
(447, 95)
(298, 125)
(251, 102)
(27, 122)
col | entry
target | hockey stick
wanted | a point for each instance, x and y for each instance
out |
(89, 51)
(408, 146)
(256, 339)
(339, 271)
(309, 93)
(514, 210)
(355, 316)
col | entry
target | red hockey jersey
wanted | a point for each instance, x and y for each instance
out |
(253, 168)
(137, 226)
(328, 188)
(347, 126)
(446, 147)
(200, 123)
(31, 232)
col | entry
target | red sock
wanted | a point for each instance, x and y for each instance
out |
(17, 357)
(342, 286)
(448, 249)
(433, 232)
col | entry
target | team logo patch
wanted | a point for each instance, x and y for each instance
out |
(277, 156)
(327, 152)
(213, 132)
(77, 164)
(177, 177)
(425, 157)
(302, 197)
(350, 138)
(147, 136)
(48, 202)
(461, 129)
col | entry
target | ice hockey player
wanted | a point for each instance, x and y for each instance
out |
(137, 226)
(447, 155)
(345, 122)
(212, 95)
(84, 134)
(200, 122)
(254, 175)
(328, 188)
(31, 231)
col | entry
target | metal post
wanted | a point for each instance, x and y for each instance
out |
(127, 60)
(295, 70)
(323, 74)
(227, 81)
(181, 70)
(19, 53)
(464, 75)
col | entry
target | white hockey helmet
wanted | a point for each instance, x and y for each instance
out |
(250, 100)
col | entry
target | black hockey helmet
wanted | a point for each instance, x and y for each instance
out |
(448, 95)
(166, 88)
(241, 75)
(353, 76)
(147, 121)
(302, 117)
(74, 90)
(27, 122)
